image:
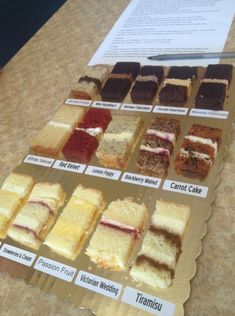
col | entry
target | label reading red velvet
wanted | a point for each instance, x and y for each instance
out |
(185, 188)
(137, 107)
(69, 166)
(149, 303)
(17, 254)
(170, 110)
(98, 284)
(106, 105)
(103, 172)
(223, 115)
(141, 180)
(39, 160)
(78, 102)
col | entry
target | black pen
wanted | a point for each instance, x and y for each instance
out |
(192, 56)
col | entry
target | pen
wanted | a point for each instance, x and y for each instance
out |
(192, 56)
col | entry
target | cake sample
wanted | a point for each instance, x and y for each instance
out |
(118, 140)
(218, 73)
(13, 192)
(211, 95)
(117, 234)
(154, 154)
(75, 222)
(50, 140)
(146, 84)
(36, 217)
(119, 82)
(96, 74)
(84, 140)
(198, 151)
(178, 85)
(84, 90)
(162, 245)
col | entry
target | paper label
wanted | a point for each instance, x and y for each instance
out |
(78, 102)
(147, 302)
(99, 285)
(39, 160)
(17, 254)
(185, 188)
(103, 172)
(141, 180)
(137, 107)
(106, 105)
(223, 115)
(56, 269)
(170, 110)
(69, 166)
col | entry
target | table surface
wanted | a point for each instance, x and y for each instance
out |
(32, 86)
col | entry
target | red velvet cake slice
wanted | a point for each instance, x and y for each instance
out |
(96, 118)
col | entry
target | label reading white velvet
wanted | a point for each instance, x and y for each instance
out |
(78, 102)
(55, 268)
(149, 303)
(103, 172)
(185, 188)
(223, 115)
(141, 180)
(136, 107)
(69, 166)
(170, 110)
(17, 254)
(106, 105)
(39, 160)
(99, 285)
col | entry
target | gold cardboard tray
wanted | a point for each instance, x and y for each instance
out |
(200, 206)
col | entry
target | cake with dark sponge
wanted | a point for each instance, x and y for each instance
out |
(220, 73)
(211, 95)
(173, 95)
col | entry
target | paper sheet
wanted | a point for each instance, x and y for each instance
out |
(152, 27)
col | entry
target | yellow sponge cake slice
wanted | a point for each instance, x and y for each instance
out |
(80, 215)
(8, 203)
(20, 184)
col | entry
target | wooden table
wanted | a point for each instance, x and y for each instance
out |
(32, 86)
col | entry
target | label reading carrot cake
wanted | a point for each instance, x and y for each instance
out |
(185, 188)
(147, 302)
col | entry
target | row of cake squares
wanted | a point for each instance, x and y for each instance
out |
(28, 210)
(143, 84)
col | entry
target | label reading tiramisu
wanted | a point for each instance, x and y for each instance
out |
(185, 188)
(136, 107)
(78, 102)
(17, 254)
(69, 166)
(106, 105)
(141, 180)
(170, 110)
(39, 160)
(223, 115)
(147, 302)
(56, 269)
(99, 285)
(103, 172)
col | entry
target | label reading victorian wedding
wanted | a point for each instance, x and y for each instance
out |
(185, 188)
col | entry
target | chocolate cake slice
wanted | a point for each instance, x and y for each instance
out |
(220, 73)
(211, 95)
(119, 81)
(146, 84)
(173, 95)
(154, 155)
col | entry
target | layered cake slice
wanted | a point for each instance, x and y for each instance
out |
(96, 74)
(13, 193)
(75, 222)
(117, 142)
(117, 234)
(198, 151)
(36, 217)
(50, 140)
(178, 85)
(162, 245)
(154, 154)
(119, 82)
(212, 90)
(146, 84)
(84, 140)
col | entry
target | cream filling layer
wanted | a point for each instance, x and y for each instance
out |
(60, 125)
(163, 135)
(205, 141)
(197, 155)
(157, 150)
(208, 80)
(147, 78)
(91, 131)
